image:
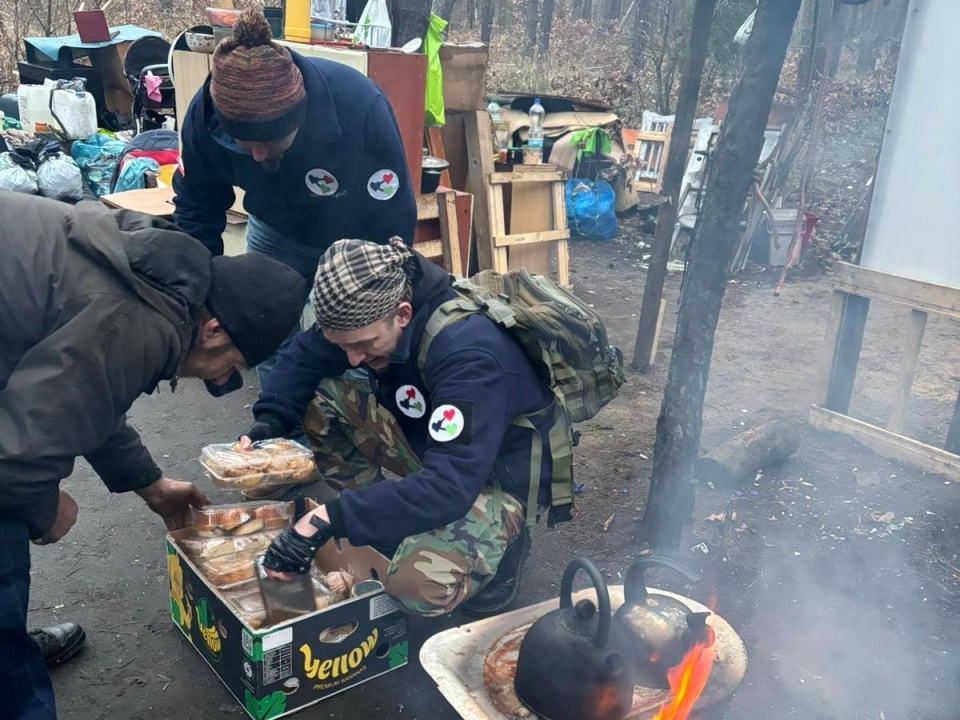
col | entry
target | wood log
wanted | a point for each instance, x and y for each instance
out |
(737, 460)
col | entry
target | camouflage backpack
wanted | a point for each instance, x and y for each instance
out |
(565, 340)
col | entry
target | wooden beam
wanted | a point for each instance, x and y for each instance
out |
(908, 369)
(430, 249)
(518, 176)
(829, 346)
(498, 225)
(953, 433)
(428, 207)
(450, 234)
(651, 360)
(529, 238)
(480, 166)
(843, 370)
(560, 222)
(888, 444)
(878, 285)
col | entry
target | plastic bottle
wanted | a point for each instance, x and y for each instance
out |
(535, 134)
(501, 130)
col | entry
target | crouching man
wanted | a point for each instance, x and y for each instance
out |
(455, 409)
(96, 308)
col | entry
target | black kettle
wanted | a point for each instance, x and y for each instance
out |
(661, 629)
(570, 666)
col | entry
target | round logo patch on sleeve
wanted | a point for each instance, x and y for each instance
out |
(410, 401)
(451, 422)
(383, 184)
(320, 182)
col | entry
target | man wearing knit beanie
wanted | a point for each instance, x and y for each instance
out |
(439, 412)
(100, 307)
(313, 144)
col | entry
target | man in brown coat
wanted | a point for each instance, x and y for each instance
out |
(96, 308)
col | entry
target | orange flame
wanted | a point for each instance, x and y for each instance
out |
(687, 680)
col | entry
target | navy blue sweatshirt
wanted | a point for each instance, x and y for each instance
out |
(476, 380)
(345, 176)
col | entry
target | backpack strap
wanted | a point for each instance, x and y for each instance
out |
(457, 309)
(450, 312)
(560, 436)
(559, 442)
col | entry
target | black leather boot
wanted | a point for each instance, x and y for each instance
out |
(500, 593)
(59, 643)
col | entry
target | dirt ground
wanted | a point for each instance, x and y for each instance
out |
(840, 569)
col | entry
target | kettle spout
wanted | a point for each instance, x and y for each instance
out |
(697, 632)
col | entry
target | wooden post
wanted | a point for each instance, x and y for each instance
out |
(672, 493)
(846, 356)
(953, 434)
(645, 350)
(480, 164)
(908, 368)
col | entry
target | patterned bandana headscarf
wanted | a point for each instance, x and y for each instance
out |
(360, 282)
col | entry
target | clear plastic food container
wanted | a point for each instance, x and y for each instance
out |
(230, 570)
(270, 462)
(203, 549)
(217, 521)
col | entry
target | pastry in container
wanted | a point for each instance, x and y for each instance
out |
(268, 463)
(230, 570)
(335, 585)
(208, 548)
(215, 521)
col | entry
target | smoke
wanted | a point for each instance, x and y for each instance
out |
(843, 615)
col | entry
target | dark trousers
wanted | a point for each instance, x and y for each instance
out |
(25, 687)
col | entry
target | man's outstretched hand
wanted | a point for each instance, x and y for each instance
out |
(173, 500)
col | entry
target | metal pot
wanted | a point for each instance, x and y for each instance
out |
(570, 667)
(661, 629)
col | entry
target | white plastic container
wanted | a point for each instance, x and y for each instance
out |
(77, 111)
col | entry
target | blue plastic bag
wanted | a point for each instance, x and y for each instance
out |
(97, 156)
(131, 177)
(591, 211)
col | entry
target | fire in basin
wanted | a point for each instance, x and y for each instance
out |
(617, 653)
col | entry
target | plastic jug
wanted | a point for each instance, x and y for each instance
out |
(73, 112)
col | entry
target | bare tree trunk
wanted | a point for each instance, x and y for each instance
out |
(642, 13)
(531, 16)
(839, 31)
(446, 9)
(486, 20)
(613, 10)
(672, 494)
(546, 26)
(472, 13)
(701, 23)
(410, 19)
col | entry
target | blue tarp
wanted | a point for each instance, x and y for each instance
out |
(51, 46)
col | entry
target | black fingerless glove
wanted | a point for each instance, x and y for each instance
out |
(291, 552)
(267, 425)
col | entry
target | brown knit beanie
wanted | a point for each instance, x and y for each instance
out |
(360, 282)
(257, 89)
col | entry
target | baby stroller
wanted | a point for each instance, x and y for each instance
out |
(149, 55)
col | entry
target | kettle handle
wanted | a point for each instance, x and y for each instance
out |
(634, 587)
(603, 597)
